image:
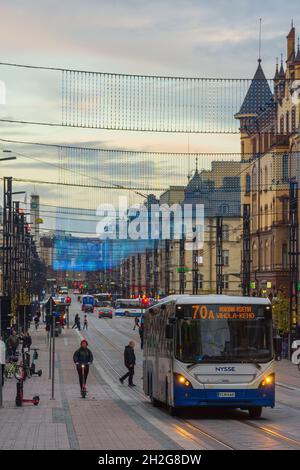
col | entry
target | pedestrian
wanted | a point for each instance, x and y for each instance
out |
(141, 331)
(136, 323)
(129, 360)
(13, 343)
(85, 323)
(78, 323)
(2, 358)
(36, 322)
(83, 356)
(75, 320)
(27, 341)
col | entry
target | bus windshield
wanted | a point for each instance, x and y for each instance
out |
(218, 333)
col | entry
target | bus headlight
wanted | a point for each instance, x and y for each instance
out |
(182, 380)
(268, 380)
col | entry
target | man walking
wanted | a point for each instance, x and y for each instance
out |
(85, 323)
(13, 343)
(129, 360)
(75, 321)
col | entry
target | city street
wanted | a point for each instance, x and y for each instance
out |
(114, 416)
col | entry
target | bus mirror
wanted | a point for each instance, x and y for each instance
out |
(169, 331)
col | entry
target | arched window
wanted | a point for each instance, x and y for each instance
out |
(287, 122)
(281, 129)
(267, 257)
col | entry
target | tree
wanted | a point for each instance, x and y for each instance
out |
(281, 313)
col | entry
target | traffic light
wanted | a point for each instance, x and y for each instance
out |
(145, 301)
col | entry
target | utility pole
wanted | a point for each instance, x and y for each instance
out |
(219, 255)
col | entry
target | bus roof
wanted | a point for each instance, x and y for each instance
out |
(215, 299)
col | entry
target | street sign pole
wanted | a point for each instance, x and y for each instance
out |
(53, 355)
(50, 333)
(1, 365)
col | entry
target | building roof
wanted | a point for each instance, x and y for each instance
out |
(258, 96)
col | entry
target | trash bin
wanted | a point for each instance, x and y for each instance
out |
(277, 342)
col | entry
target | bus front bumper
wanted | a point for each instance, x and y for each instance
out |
(235, 398)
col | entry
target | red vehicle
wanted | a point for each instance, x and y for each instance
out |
(105, 312)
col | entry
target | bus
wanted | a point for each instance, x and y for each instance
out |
(88, 303)
(103, 299)
(209, 350)
(128, 308)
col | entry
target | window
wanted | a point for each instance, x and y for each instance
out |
(248, 184)
(284, 256)
(285, 167)
(287, 120)
(200, 281)
(225, 281)
(225, 257)
(225, 233)
(254, 255)
(281, 130)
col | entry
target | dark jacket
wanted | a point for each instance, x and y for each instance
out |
(27, 341)
(129, 356)
(83, 356)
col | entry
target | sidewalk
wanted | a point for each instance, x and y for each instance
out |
(287, 373)
(101, 421)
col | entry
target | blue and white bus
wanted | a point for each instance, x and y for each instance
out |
(210, 350)
(128, 308)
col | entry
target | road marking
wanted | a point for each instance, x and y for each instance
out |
(289, 387)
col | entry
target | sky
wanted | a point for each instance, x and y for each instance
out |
(192, 38)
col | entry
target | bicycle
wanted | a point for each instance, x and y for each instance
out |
(12, 369)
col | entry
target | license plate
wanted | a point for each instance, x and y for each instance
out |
(226, 394)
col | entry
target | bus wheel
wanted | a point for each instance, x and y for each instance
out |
(255, 412)
(172, 410)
